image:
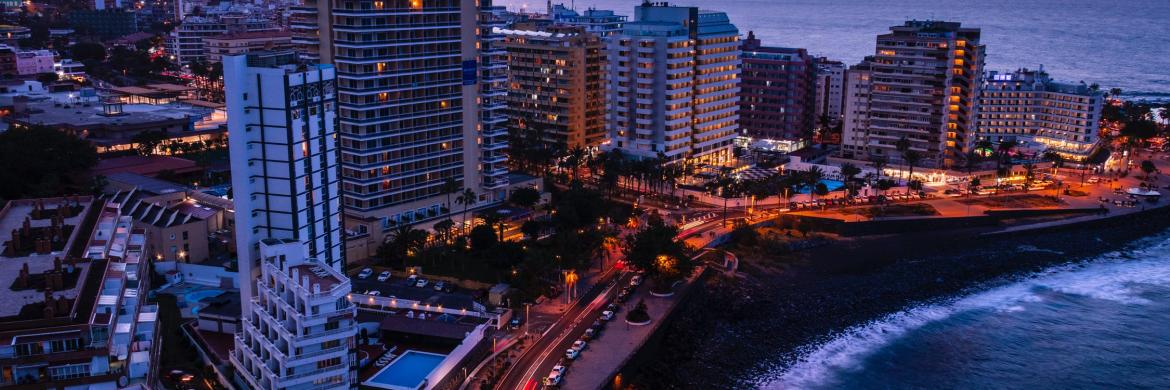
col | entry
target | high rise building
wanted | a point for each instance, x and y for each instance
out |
(777, 92)
(420, 92)
(830, 88)
(923, 82)
(674, 85)
(856, 109)
(298, 327)
(600, 22)
(1029, 107)
(557, 85)
(283, 147)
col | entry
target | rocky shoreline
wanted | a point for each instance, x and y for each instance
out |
(736, 333)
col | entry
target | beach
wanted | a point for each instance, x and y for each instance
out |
(737, 333)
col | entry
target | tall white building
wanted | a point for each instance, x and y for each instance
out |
(297, 326)
(855, 110)
(1029, 107)
(675, 85)
(283, 147)
(299, 331)
(600, 22)
(830, 90)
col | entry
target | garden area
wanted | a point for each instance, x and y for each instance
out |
(893, 210)
(1024, 201)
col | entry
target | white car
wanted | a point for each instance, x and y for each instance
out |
(553, 379)
(373, 293)
(572, 354)
(422, 283)
(607, 315)
(366, 272)
(384, 276)
(560, 369)
(439, 286)
(636, 281)
(580, 345)
(411, 280)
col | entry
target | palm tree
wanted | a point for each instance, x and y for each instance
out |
(723, 186)
(450, 187)
(811, 177)
(574, 159)
(903, 146)
(848, 175)
(912, 158)
(1029, 174)
(878, 162)
(467, 198)
(495, 221)
(404, 242)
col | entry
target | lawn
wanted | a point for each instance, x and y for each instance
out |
(893, 210)
(1026, 201)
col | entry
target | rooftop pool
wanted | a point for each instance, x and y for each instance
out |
(407, 371)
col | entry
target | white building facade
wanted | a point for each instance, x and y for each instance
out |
(1027, 106)
(284, 156)
(300, 328)
(674, 85)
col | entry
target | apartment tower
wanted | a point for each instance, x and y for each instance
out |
(557, 86)
(924, 80)
(777, 92)
(674, 85)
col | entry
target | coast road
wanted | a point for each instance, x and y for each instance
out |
(534, 365)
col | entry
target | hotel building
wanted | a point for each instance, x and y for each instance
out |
(856, 107)
(603, 23)
(777, 92)
(556, 80)
(1029, 107)
(188, 39)
(297, 325)
(283, 147)
(923, 82)
(420, 91)
(674, 85)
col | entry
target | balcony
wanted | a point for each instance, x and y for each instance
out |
(494, 184)
(493, 159)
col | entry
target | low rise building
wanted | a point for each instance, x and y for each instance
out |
(35, 62)
(214, 48)
(76, 315)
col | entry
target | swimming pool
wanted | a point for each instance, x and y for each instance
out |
(192, 298)
(407, 371)
(832, 185)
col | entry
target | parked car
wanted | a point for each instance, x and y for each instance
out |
(613, 307)
(422, 283)
(439, 286)
(516, 322)
(636, 281)
(560, 368)
(590, 334)
(384, 276)
(411, 280)
(366, 272)
(553, 379)
(580, 345)
(607, 315)
(623, 296)
(373, 293)
(572, 354)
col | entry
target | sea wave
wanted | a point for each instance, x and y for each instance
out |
(1116, 276)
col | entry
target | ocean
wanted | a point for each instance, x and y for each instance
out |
(1097, 323)
(1114, 43)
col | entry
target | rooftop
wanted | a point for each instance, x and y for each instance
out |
(12, 218)
(136, 168)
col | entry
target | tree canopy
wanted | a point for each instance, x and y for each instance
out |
(42, 161)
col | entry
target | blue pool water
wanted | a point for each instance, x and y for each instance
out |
(193, 298)
(832, 185)
(407, 371)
